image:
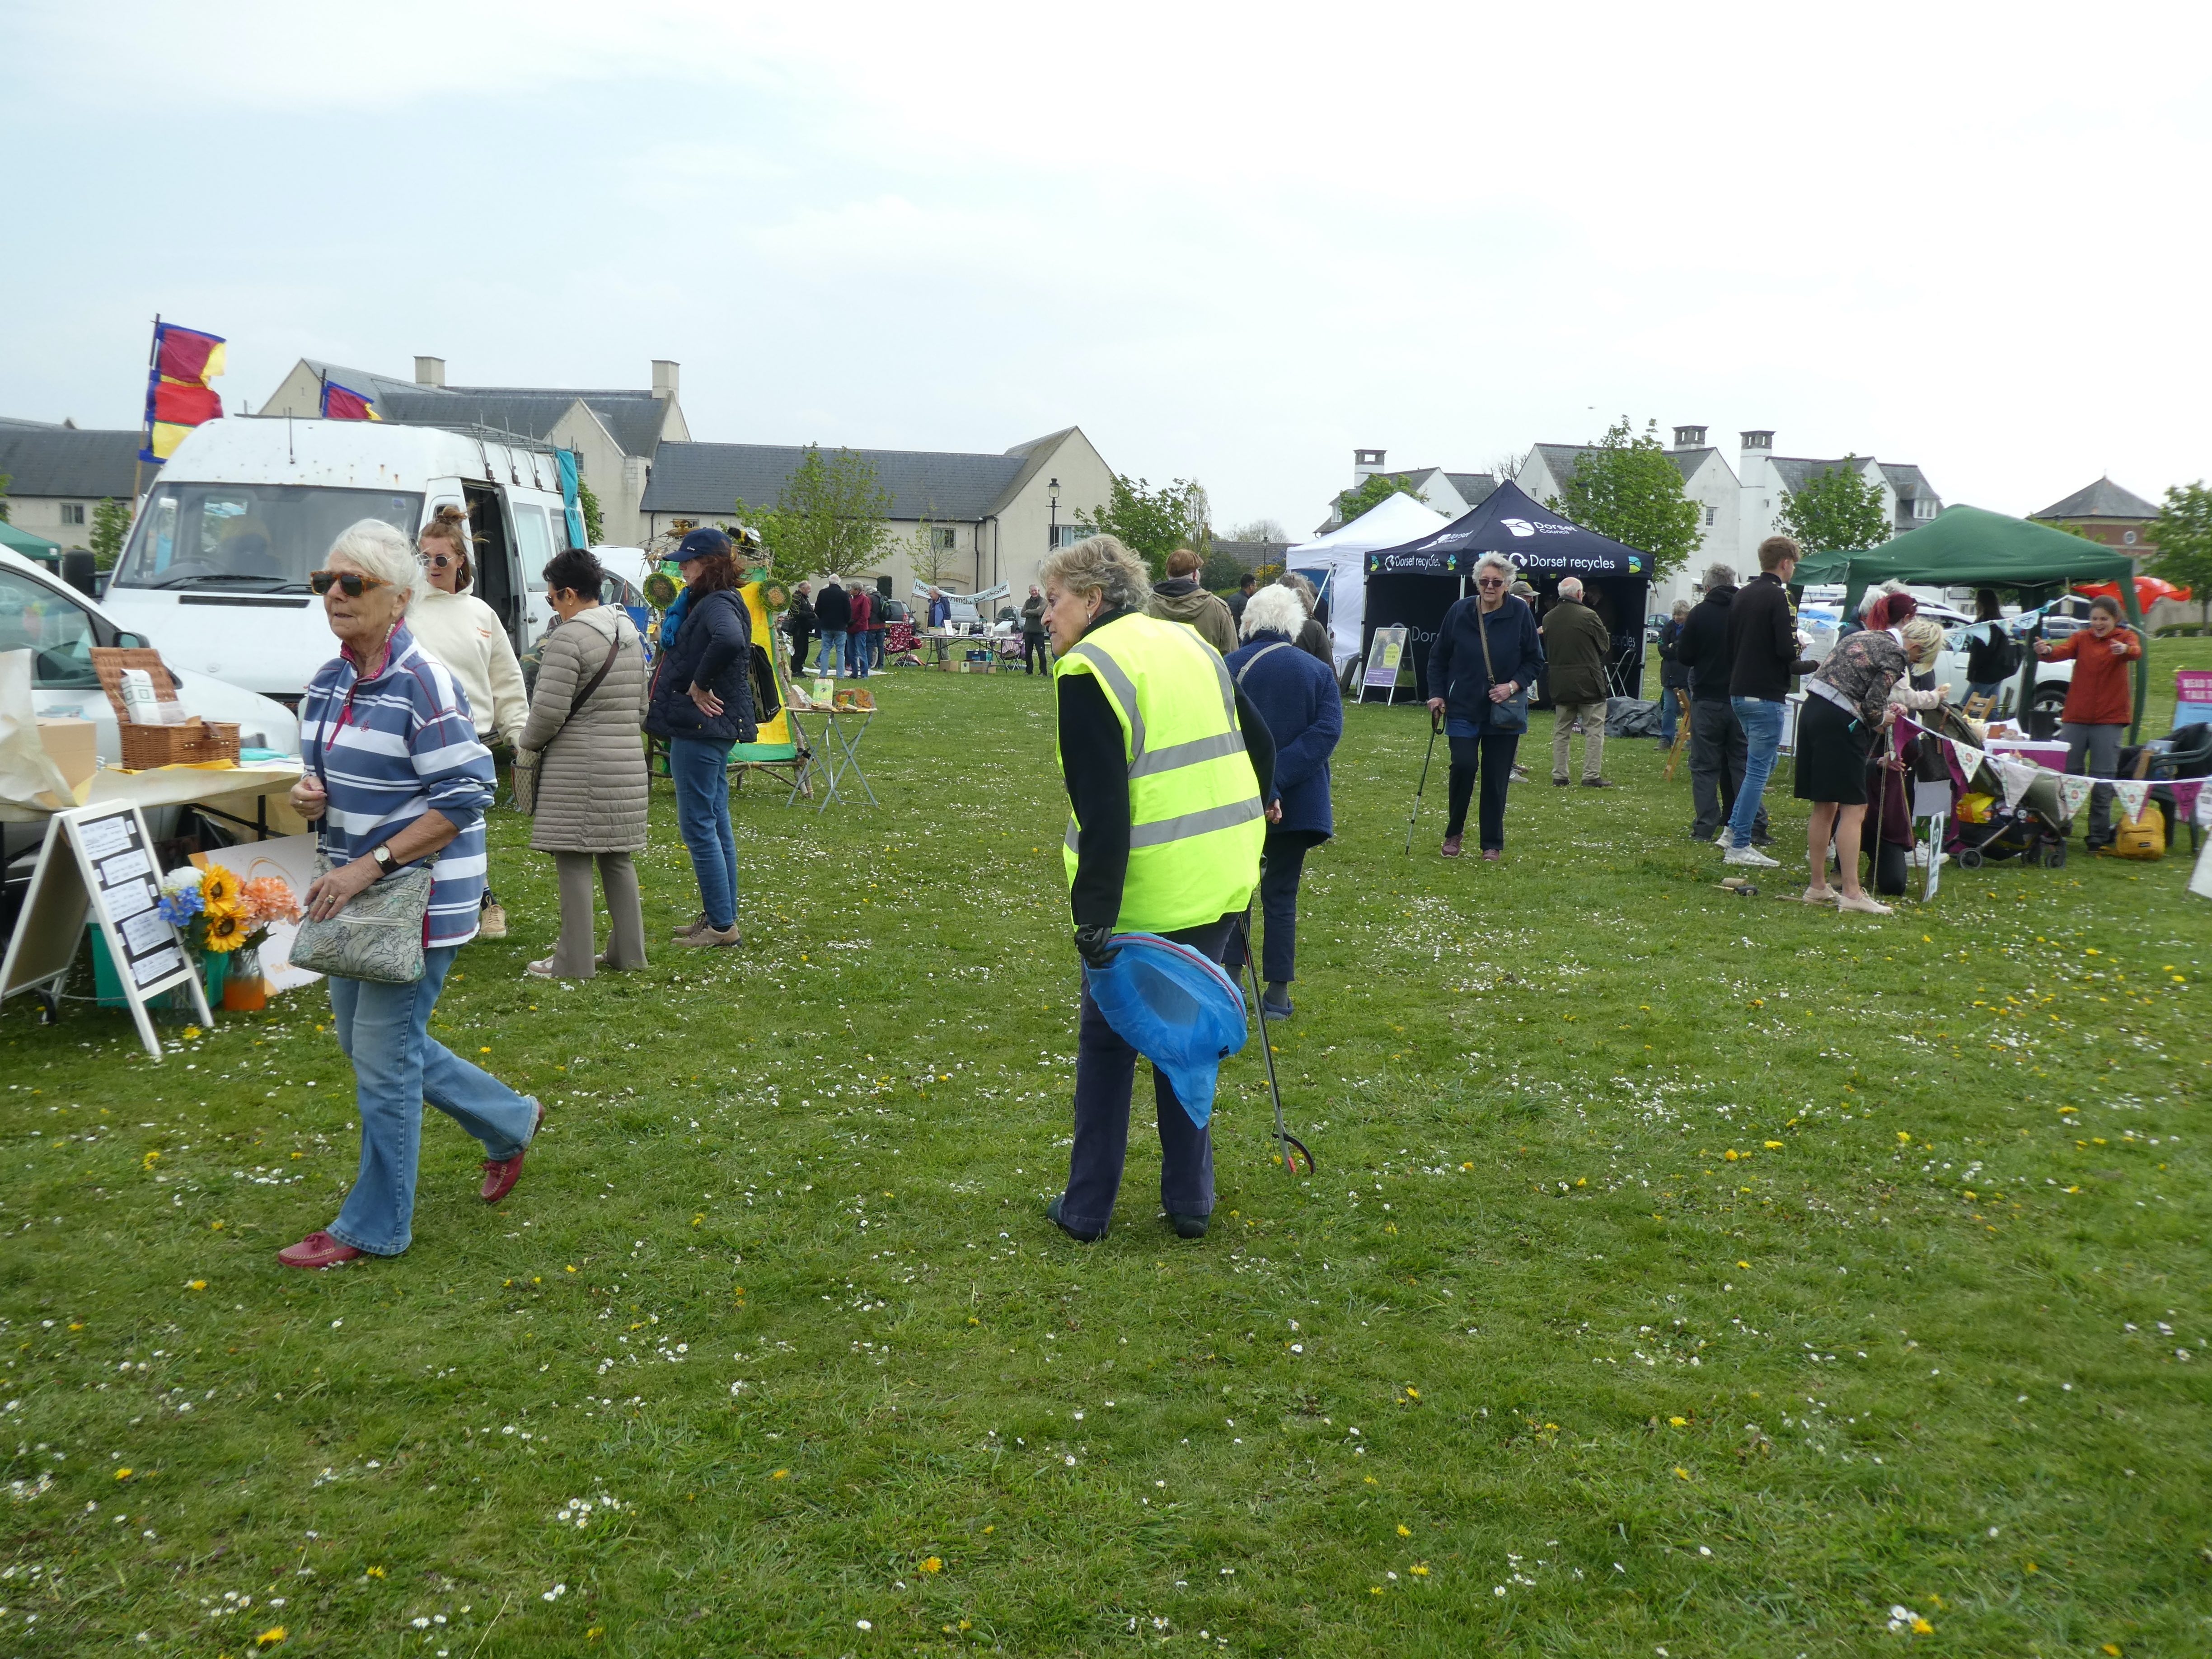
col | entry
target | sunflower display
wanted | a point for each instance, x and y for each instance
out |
(225, 930)
(216, 913)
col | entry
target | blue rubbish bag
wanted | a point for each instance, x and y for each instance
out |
(1176, 1007)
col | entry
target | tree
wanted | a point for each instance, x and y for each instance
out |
(1152, 523)
(6, 478)
(1627, 487)
(111, 524)
(1258, 530)
(2063, 528)
(589, 504)
(2182, 534)
(1220, 572)
(932, 555)
(831, 518)
(1836, 511)
(1370, 491)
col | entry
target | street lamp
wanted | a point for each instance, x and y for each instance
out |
(1052, 536)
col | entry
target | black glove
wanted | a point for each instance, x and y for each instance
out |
(1091, 944)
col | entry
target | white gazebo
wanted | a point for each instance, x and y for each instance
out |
(1391, 522)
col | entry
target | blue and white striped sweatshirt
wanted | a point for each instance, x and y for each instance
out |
(390, 748)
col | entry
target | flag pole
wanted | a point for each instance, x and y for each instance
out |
(153, 367)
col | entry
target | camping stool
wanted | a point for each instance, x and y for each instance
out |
(835, 723)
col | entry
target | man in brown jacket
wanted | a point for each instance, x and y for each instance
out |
(1180, 599)
(1575, 646)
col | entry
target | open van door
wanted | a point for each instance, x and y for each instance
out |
(495, 582)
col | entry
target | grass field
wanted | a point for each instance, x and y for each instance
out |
(1684, 1274)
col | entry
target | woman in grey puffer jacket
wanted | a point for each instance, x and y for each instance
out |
(591, 784)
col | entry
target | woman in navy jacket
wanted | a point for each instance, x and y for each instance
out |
(1465, 691)
(1296, 695)
(702, 704)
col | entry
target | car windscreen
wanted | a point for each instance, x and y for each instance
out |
(249, 538)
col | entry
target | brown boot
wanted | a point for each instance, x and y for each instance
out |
(706, 935)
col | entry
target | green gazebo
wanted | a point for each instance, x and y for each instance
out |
(1970, 547)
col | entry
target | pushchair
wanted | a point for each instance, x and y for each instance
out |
(1983, 828)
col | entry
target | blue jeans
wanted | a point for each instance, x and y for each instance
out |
(856, 653)
(1761, 721)
(1670, 714)
(385, 1030)
(833, 651)
(875, 647)
(1105, 1072)
(702, 818)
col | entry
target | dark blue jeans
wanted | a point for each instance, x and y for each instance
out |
(1285, 861)
(1105, 1073)
(702, 818)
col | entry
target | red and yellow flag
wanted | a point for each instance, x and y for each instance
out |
(178, 398)
(342, 403)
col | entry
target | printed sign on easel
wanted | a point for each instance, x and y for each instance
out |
(1935, 858)
(97, 861)
(1385, 653)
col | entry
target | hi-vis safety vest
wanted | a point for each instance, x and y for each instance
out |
(1196, 821)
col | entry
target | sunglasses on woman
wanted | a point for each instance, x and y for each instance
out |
(437, 561)
(1490, 581)
(351, 583)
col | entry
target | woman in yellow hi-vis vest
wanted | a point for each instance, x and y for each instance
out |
(1169, 775)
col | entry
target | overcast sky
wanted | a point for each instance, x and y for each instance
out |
(1229, 243)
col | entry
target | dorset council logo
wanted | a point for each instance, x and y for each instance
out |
(1519, 526)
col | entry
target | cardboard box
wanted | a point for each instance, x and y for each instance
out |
(73, 746)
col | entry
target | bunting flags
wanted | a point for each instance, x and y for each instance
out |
(178, 398)
(2073, 794)
(2188, 792)
(2015, 775)
(342, 403)
(2132, 792)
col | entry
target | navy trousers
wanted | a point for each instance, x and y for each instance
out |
(1105, 1073)
(1285, 862)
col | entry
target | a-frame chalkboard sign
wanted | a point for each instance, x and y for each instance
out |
(97, 861)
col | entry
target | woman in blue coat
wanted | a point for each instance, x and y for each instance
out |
(1297, 697)
(1487, 652)
(702, 704)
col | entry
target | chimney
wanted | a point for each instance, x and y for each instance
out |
(663, 377)
(1689, 437)
(1365, 463)
(430, 371)
(1759, 441)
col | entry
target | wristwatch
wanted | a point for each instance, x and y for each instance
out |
(382, 854)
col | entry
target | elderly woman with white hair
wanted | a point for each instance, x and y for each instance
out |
(1311, 636)
(1297, 698)
(1486, 655)
(395, 778)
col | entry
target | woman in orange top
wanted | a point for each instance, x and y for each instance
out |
(2099, 704)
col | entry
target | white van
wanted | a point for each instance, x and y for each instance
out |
(217, 565)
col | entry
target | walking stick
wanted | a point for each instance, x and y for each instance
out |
(1285, 1140)
(1434, 727)
(1682, 736)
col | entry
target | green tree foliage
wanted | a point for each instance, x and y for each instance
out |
(587, 503)
(1152, 523)
(111, 524)
(1627, 487)
(2065, 528)
(1220, 572)
(1836, 510)
(1371, 490)
(2182, 534)
(6, 478)
(831, 518)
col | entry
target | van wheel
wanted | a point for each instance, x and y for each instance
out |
(2046, 714)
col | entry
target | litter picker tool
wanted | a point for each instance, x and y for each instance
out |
(1436, 724)
(1285, 1142)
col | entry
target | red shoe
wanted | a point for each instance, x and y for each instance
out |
(1492, 856)
(316, 1252)
(501, 1173)
(1450, 848)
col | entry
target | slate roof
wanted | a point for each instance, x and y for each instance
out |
(1473, 487)
(702, 479)
(2101, 500)
(65, 461)
(1908, 480)
(1561, 460)
(634, 419)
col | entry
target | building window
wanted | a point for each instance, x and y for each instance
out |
(1067, 535)
(1924, 507)
(2129, 538)
(941, 538)
(72, 511)
(1712, 513)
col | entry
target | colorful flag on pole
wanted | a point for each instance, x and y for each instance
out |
(178, 398)
(342, 403)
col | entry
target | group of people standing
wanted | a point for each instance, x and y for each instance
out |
(850, 622)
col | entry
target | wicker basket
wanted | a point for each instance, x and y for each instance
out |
(145, 746)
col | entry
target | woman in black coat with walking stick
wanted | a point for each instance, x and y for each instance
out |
(1486, 655)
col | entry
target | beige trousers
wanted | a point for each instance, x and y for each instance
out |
(1592, 715)
(574, 958)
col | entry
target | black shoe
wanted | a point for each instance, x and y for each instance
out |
(1599, 783)
(1052, 1214)
(1561, 783)
(1187, 1226)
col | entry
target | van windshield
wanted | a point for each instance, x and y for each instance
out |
(255, 537)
